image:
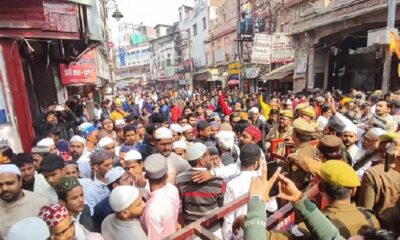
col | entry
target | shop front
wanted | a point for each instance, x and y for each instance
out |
(200, 79)
(279, 79)
(336, 43)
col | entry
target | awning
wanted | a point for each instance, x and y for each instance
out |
(279, 73)
(232, 82)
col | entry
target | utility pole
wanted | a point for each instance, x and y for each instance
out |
(239, 43)
(391, 19)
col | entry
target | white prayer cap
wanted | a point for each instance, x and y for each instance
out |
(176, 128)
(254, 110)
(186, 127)
(196, 151)
(163, 133)
(132, 155)
(29, 228)
(225, 139)
(122, 197)
(9, 168)
(77, 138)
(113, 174)
(374, 133)
(45, 142)
(351, 129)
(105, 141)
(179, 144)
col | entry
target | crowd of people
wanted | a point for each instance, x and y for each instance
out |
(150, 163)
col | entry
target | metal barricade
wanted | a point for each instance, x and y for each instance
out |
(280, 220)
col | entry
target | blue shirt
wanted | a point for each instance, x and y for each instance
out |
(101, 211)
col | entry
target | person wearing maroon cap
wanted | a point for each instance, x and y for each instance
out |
(251, 135)
(59, 221)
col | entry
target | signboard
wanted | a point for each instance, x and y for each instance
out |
(121, 55)
(251, 72)
(282, 48)
(301, 64)
(220, 55)
(261, 52)
(214, 73)
(82, 72)
(169, 71)
(234, 68)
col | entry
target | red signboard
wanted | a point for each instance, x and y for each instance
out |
(39, 18)
(82, 72)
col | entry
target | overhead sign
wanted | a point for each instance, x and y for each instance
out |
(82, 72)
(121, 55)
(234, 68)
(282, 48)
(261, 52)
(277, 48)
(220, 55)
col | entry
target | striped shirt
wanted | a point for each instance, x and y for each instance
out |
(199, 199)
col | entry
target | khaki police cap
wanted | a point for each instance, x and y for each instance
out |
(339, 173)
(286, 113)
(330, 141)
(301, 106)
(301, 126)
(308, 111)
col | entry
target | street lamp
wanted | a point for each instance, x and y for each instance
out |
(112, 4)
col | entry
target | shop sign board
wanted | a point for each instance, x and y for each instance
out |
(220, 55)
(82, 72)
(234, 68)
(301, 63)
(261, 52)
(282, 48)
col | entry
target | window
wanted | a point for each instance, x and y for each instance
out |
(204, 23)
(194, 29)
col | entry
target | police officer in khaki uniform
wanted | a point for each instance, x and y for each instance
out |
(380, 189)
(283, 130)
(339, 182)
(303, 133)
(330, 148)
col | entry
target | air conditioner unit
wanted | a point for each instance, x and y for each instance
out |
(380, 36)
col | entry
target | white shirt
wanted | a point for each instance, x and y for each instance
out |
(236, 188)
(321, 123)
(41, 186)
(97, 113)
(95, 193)
(85, 170)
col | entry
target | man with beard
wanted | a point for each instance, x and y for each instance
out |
(75, 148)
(176, 164)
(188, 133)
(16, 203)
(349, 139)
(381, 118)
(370, 154)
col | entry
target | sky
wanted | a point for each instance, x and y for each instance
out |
(150, 12)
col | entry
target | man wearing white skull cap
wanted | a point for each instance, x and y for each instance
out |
(176, 164)
(128, 205)
(15, 203)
